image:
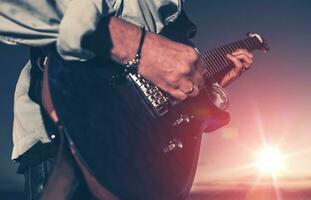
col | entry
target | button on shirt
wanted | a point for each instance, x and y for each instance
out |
(65, 22)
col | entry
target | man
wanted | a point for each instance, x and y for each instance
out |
(174, 67)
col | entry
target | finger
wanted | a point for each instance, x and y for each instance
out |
(197, 79)
(232, 75)
(237, 63)
(186, 86)
(173, 91)
(245, 60)
(238, 67)
(195, 92)
(242, 51)
(189, 88)
(178, 94)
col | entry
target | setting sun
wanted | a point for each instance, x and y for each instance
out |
(270, 160)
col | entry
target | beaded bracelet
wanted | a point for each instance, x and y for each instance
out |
(131, 66)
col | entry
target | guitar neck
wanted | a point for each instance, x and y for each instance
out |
(216, 59)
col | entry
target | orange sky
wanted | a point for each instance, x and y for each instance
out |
(271, 102)
(272, 111)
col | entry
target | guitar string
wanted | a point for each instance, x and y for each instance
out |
(215, 58)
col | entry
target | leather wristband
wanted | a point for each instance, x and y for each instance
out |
(131, 66)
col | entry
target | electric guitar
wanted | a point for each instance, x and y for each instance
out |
(133, 138)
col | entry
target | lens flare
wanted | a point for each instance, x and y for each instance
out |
(270, 161)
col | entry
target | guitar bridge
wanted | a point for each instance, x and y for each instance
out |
(156, 100)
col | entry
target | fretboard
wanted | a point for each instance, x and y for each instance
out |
(216, 59)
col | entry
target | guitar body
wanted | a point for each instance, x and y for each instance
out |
(134, 139)
(132, 153)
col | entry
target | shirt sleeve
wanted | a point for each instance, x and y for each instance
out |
(80, 20)
(64, 22)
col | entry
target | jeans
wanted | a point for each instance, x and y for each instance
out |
(36, 177)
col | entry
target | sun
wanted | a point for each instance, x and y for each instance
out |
(270, 161)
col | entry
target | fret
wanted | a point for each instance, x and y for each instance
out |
(223, 51)
(226, 59)
(221, 58)
(222, 63)
(209, 65)
(255, 43)
(238, 45)
(245, 45)
(213, 61)
(249, 44)
(252, 44)
(208, 72)
(224, 55)
(231, 47)
(235, 46)
(241, 45)
(205, 59)
(216, 59)
(217, 64)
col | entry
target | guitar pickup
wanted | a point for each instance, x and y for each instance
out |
(158, 95)
(157, 101)
(162, 100)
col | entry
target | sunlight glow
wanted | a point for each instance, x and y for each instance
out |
(270, 161)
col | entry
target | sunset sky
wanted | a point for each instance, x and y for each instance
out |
(270, 104)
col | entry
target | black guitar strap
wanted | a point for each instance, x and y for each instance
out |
(181, 30)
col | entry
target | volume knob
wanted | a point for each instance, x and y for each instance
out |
(174, 144)
(182, 119)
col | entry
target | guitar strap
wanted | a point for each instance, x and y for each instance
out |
(63, 174)
(34, 93)
(181, 30)
(63, 180)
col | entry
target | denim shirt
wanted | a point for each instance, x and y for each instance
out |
(65, 22)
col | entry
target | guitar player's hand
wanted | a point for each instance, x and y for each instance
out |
(242, 61)
(174, 67)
